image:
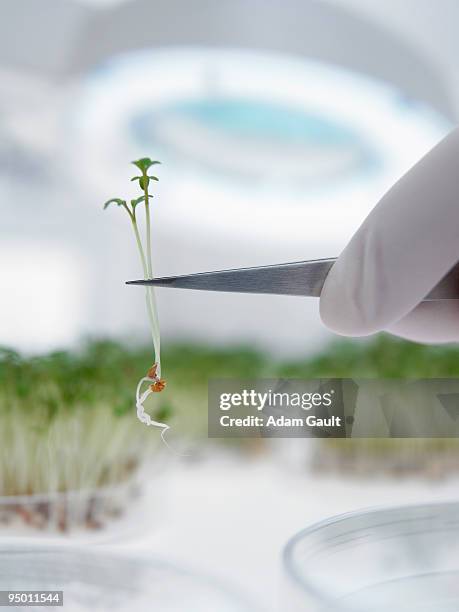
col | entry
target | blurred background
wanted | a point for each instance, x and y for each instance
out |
(279, 125)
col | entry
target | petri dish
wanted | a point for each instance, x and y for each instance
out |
(399, 559)
(96, 580)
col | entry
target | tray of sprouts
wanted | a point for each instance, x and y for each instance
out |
(71, 453)
(383, 357)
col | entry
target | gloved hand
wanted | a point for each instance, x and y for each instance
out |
(404, 247)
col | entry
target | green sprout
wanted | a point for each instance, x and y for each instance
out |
(153, 377)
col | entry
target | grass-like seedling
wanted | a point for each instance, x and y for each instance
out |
(66, 435)
(66, 424)
(383, 357)
(152, 380)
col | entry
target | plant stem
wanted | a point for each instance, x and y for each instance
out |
(139, 245)
(148, 229)
(154, 324)
(149, 293)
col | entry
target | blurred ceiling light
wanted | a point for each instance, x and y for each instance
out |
(251, 138)
(253, 134)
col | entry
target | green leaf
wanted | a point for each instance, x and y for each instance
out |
(144, 163)
(137, 201)
(144, 182)
(118, 201)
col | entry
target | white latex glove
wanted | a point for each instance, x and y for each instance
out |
(404, 247)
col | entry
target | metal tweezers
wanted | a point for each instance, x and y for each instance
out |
(304, 278)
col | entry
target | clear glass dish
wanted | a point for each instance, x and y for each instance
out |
(110, 581)
(401, 559)
(92, 516)
(62, 513)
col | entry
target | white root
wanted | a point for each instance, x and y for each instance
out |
(141, 414)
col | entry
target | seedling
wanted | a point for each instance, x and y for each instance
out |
(152, 380)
